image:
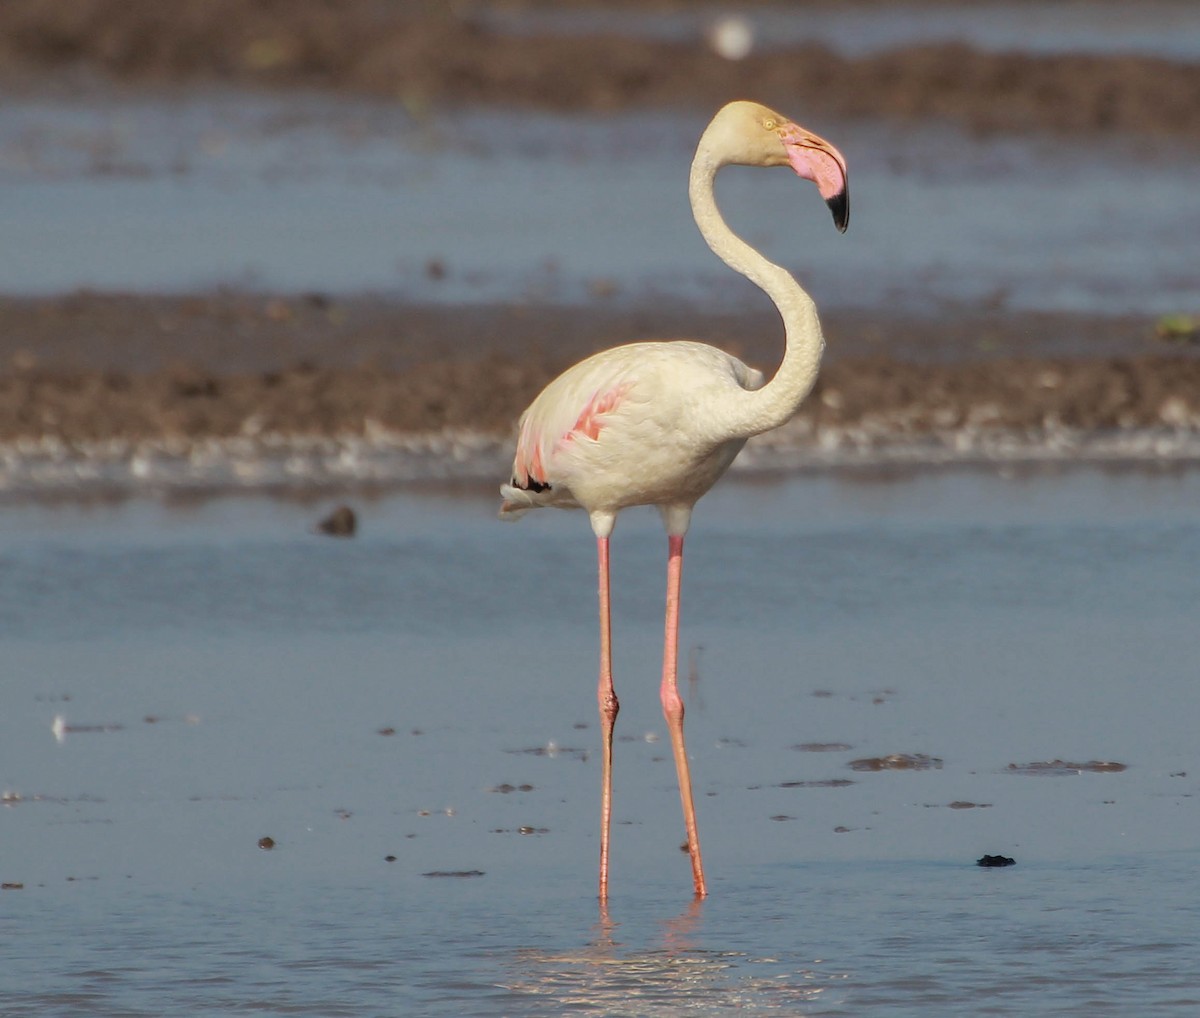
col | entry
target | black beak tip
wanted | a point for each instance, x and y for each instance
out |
(839, 205)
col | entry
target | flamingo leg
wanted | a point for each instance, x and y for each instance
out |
(609, 706)
(672, 705)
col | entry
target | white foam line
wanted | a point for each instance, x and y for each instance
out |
(277, 462)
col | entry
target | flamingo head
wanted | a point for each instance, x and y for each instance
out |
(749, 134)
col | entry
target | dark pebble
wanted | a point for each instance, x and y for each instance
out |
(266, 843)
(817, 783)
(340, 523)
(995, 860)
(898, 762)
(1068, 767)
(453, 873)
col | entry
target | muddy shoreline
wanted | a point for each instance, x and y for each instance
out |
(434, 57)
(94, 368)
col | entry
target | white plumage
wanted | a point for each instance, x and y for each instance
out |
(635, 425)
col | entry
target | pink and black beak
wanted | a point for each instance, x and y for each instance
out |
(813, 158)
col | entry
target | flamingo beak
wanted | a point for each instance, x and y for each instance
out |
(813, 158)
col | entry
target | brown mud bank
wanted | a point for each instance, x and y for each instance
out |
(93, 369)
(433, 55)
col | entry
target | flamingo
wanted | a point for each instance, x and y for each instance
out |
(657, 423)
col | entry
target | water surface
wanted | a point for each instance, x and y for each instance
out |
(425, 692)
(310, 192)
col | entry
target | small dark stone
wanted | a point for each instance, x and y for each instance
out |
(817, 783)
(453, 873)
(266, 844)
(340, 523)
(898, 762)
(1060, 767)
(389, 858)
(996, 860)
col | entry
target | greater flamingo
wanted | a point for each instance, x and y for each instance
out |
(658, 423)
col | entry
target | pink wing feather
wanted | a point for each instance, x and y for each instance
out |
(545, 428)
(590, 420)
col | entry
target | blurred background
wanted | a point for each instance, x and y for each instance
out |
(386, 221)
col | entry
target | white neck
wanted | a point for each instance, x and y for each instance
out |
(766, 408)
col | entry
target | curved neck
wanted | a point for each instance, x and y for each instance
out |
(761, 410)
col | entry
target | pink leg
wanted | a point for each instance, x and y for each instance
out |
(609, 706)
(672, 705)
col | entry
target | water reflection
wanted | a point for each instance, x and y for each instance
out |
(674, 974)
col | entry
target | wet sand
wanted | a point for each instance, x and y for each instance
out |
(92, 367)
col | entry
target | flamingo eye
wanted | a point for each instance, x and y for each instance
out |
(770, 123)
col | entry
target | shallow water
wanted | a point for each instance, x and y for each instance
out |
(223, 675)
(308, 192)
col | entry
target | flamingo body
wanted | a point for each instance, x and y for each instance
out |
(659, 423)
(635, 425)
